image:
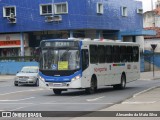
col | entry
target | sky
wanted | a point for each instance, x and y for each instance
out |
(147, 4)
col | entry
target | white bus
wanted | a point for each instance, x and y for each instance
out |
(87, 64)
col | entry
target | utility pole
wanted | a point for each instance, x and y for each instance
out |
(152, 4)
(153, 48)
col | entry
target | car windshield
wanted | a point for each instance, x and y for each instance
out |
(60, 59)
(29, 70)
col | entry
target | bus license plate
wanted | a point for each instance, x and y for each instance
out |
(57, 84)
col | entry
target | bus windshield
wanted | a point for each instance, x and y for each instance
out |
(60, 59)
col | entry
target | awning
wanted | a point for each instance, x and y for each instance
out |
(138, 33)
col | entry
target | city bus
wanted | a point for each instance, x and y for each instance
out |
(87, 64)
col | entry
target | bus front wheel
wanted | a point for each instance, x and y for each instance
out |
(92, 89)
(57, 91)
(122, 85)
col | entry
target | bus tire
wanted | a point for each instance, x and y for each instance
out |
(122, 85)
(57, 91)
(92, 89)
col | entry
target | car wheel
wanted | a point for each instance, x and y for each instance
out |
(37, 83)
(15, 84)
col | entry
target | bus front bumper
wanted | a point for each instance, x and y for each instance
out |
(74, 84)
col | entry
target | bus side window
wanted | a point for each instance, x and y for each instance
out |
(135, 54)
(93, 54)
(109, 54)
(116, 54)
(130, 54)
(85, 59)
(101, 54)
(123, 54)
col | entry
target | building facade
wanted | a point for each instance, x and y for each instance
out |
(24, 23)
(152, 22)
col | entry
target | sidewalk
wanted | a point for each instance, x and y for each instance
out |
(148, 100)
(149, 75)
(7, 77)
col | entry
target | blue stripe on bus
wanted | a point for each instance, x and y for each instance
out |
(60, 78)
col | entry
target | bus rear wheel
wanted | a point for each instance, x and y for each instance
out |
(92, 89)
(57, 91)
(122, 85)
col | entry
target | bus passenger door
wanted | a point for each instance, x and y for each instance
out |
(85, 65)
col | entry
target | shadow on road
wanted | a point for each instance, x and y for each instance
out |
(83, 93)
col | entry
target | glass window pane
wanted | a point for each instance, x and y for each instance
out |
(7, 11)
(44, 9)
(101, 52)
(12, 10)
(49, 8)
(64, 8)
(93, 54)
(58, 8)
(108, 54)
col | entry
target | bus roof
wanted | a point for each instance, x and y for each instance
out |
(95, 41)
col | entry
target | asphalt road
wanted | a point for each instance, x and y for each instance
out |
(30, 98)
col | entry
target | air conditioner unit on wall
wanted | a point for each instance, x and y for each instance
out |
(12, 18)
(140, 11)
(48, 18)
(54, 18)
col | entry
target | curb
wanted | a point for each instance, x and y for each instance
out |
(144, 91)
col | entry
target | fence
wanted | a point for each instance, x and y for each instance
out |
(19, 59)
(149, 62)
(11, 65)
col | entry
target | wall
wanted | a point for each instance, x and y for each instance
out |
(140, 40)
(148, 19)
(148, 42)
(157, 21)
(81, 15)
(13, 67)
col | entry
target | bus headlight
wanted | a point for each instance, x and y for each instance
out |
(76, 78)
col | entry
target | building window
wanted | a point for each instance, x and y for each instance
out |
(61, 8)
(124, 11)
(9, 10)
(99, 8)
(46, 9)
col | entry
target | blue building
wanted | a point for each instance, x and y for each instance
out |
(24, 23)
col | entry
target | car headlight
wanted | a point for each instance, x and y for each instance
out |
(77, 77)
(41, 78)
(16, 78)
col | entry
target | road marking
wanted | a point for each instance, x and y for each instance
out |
(18, 108)
(6, 86)
(17, 103)
(95, 99)
(21, 91)
(149, 102)
(16, 100)
(144, 91)
(77, 103)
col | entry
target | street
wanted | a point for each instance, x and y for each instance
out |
(30, 98)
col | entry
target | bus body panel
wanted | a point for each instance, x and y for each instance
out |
(106, 73)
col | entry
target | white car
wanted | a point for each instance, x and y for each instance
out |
(28, 75)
